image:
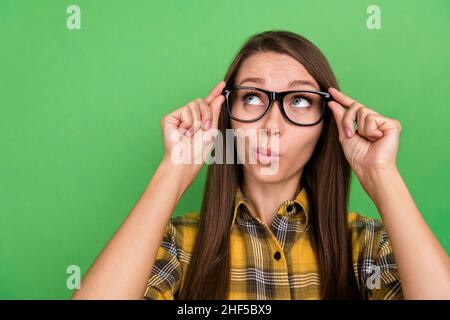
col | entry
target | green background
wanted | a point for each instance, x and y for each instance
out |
(80, 109)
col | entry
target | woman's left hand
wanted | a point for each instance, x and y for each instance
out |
(373, 146)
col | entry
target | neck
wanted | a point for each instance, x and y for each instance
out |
(264, 199)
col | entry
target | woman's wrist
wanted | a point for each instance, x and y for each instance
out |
(377, 181)
(180, 175)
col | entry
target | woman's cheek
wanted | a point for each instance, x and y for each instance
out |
(301, 149)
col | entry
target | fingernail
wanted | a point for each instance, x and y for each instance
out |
(189, 133)
(348, 132)
(207, 124)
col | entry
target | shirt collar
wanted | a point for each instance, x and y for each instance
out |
(297, 205)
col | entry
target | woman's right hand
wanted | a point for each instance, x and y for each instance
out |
(180, 130)
(134, 247)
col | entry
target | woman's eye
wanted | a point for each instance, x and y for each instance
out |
(300, 102)
(252, 99)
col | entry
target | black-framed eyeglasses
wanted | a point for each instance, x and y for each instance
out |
(299, 107)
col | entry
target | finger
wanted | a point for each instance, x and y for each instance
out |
(360, 117)
(365, 127)
(338, 113)
(217, 90)
(206, 114)
(350, 117)
(186, 119)
(216, 106)
(340, 97)
(372, 123)
(196, 117)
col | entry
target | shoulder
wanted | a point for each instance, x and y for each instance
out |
(185, 223)
(366, 233)
(189, 219)
(183, 230)
(373, 258)
(358, 223)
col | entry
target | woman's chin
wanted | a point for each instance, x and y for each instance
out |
(266, 173)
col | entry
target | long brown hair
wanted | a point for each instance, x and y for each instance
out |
(326, 178)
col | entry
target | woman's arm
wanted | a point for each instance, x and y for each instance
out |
(423, 264)
(122, 269)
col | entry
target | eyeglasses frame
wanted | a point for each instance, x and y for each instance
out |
(276, 96)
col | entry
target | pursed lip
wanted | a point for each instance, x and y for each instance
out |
(267, 152)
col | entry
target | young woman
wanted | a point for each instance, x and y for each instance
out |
(285, 235)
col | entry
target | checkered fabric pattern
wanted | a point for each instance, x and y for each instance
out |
(277, 261)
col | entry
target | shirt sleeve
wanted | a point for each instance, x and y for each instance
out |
(166, 274)
(383, 280)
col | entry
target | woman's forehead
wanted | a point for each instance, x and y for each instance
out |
(275, 71)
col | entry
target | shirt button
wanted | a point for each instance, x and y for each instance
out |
(289, 208)
(277, 255)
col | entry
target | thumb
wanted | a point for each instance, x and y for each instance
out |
(216, 106)
(338, 113)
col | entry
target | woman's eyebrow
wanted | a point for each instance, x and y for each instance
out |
(291, 84)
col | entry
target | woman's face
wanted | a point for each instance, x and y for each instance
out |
(274, 72)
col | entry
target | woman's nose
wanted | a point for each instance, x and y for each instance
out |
(273, 118)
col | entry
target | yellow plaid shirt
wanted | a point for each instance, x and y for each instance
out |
(276, 262)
